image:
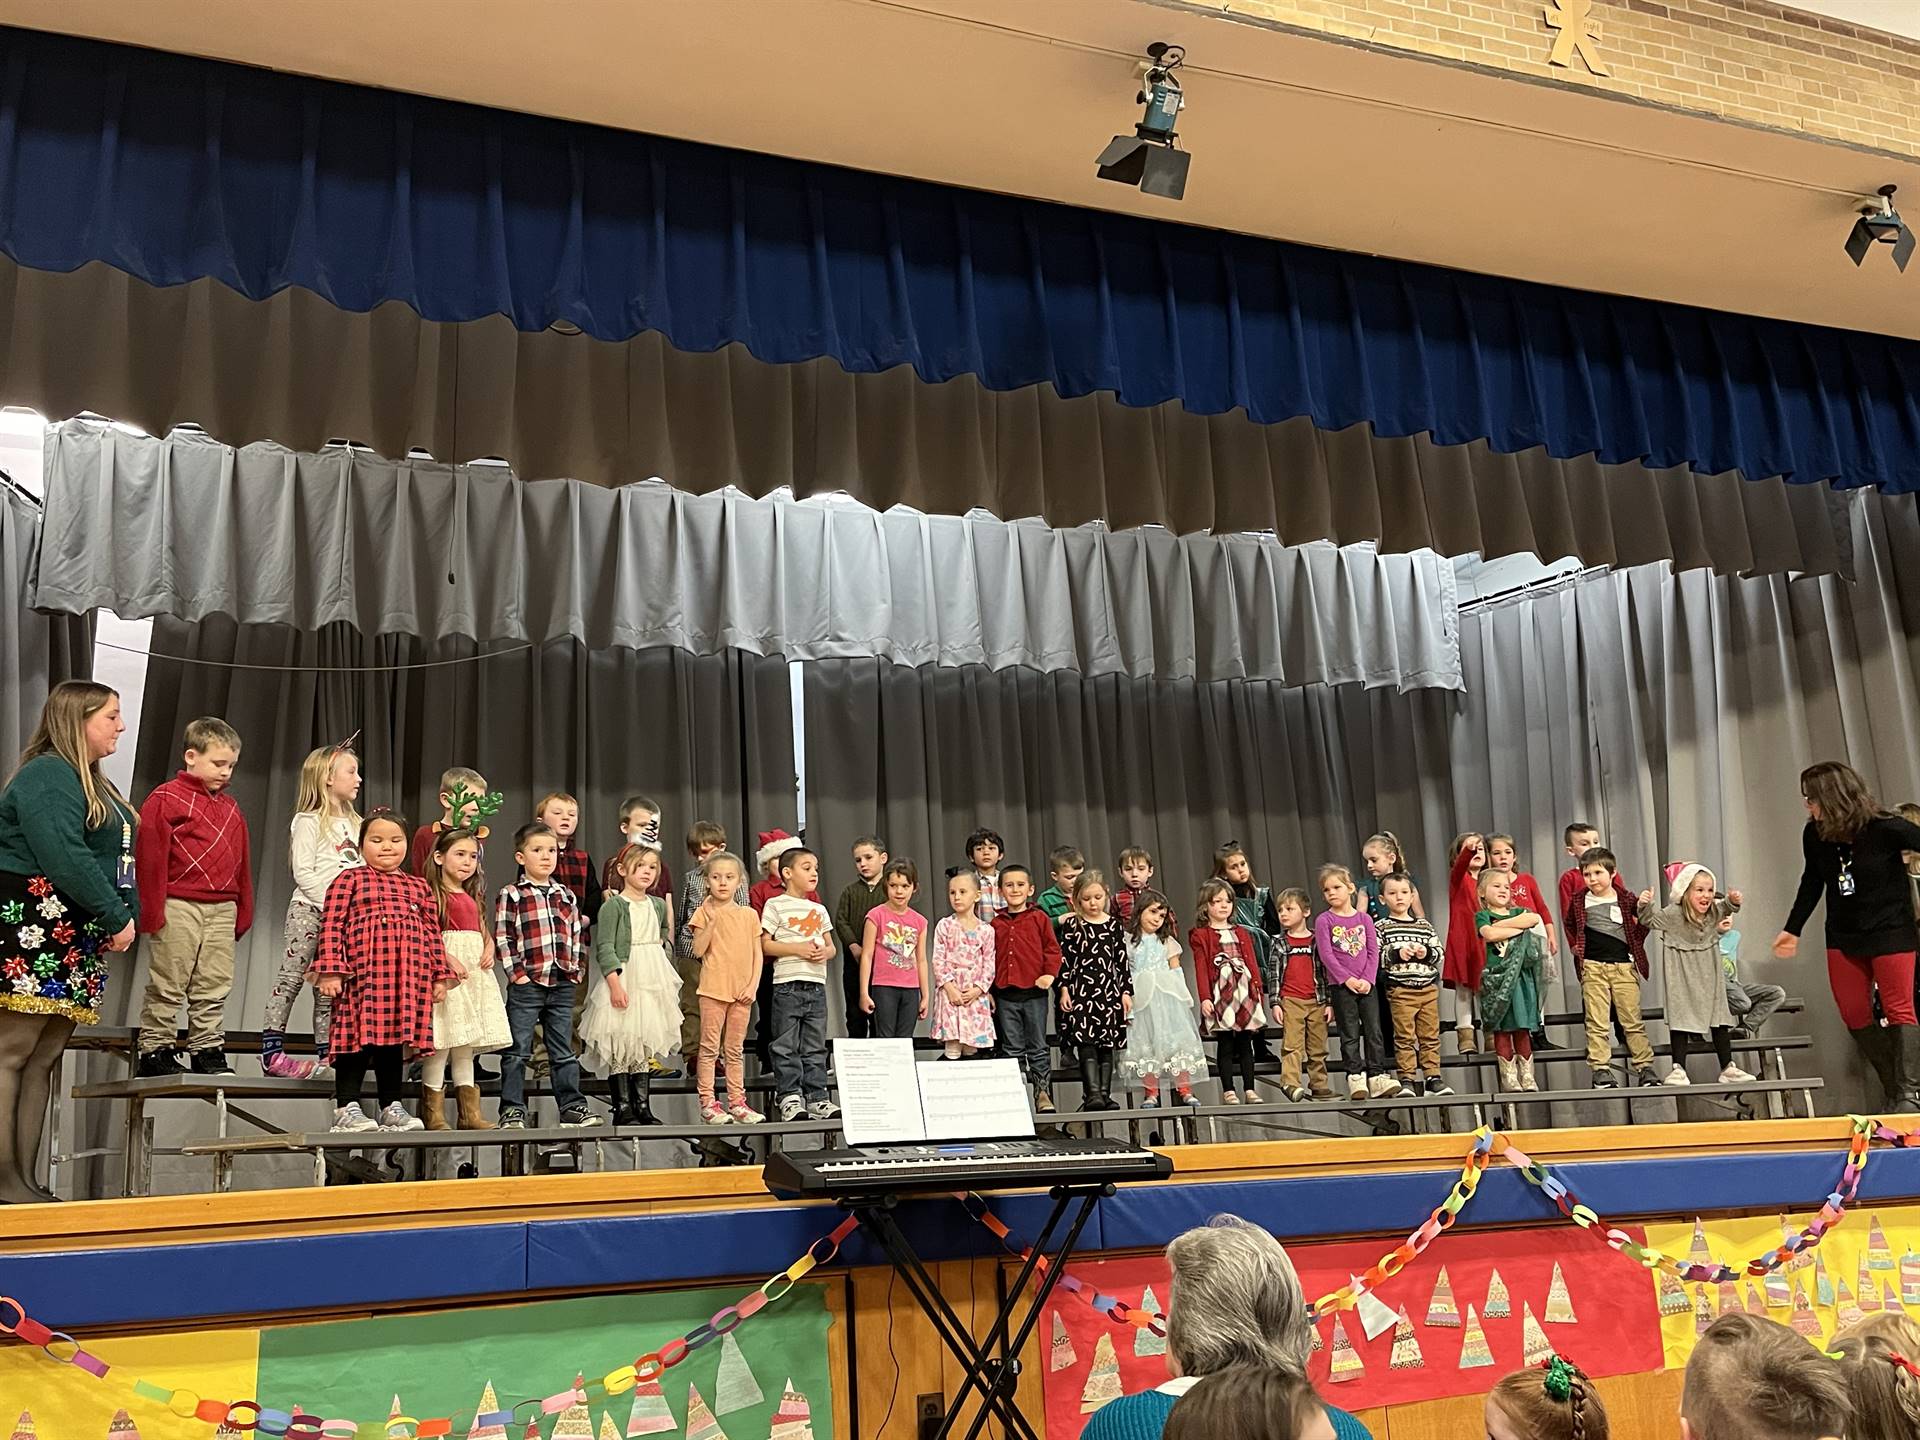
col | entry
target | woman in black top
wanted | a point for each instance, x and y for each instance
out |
(1853, 855)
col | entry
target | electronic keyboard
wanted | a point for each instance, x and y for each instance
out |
(879, 1170)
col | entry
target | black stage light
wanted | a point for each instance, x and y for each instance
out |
(1880, 224)
(1149, 158)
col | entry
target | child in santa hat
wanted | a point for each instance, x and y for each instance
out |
(1689, 925)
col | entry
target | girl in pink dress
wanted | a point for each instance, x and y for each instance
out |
(963, 971)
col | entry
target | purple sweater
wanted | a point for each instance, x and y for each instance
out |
(1349, 946)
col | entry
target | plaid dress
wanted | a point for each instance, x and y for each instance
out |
(381, 932)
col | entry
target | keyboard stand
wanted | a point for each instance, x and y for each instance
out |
(992, 1364)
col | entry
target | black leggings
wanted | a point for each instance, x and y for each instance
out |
(350, 1074)
(1685, 1042)
(1236, 1047)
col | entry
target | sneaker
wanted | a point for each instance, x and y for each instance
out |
(212, 1060)
(395, 1117)
(578, 1117)
(1605, 1079)
(1151, 1102)
(157, 1063)
(1229, 1097)
(1250, 1097)
(1645, 1076)
(1403, 1089)
(744, 1114)
(1356, 1087)
(290, 1067)
(1437, 1086)
(512, 1117)
(351, 1119)
(1323, 1095)
(792, 1107)
(1295, 1093)
(1185, 1094)
(822, 1109)
(1043, 1102)
(1382, 1086)
(1734, 1075)
(1676, 1076)
(714, 1115)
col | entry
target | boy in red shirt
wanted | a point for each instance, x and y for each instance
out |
(1026, 959)
(195, 878)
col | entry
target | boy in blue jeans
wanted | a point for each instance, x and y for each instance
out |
(541, 942)
(796, 935)
(1752, 1005)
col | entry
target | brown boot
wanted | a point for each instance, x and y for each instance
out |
(467, 1097)
(432, 1108)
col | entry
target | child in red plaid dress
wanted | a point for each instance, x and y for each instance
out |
(382, 959)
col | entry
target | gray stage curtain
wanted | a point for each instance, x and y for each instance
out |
(709, 737)
(295, 370)
(186, 526)
(40, 650)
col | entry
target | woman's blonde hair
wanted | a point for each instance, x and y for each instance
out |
(316, 773)
(62, 731)
(1881, 1355)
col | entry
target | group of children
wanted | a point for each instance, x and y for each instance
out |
(391, 926)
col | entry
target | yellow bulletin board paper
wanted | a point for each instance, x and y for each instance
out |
(1736, 1241)
(69, 1404)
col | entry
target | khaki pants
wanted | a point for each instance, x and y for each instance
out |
(1416, 1030)
(189, 958)
(1304, 1021)
(1608, 990)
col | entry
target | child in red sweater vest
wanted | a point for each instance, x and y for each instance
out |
(195, 881)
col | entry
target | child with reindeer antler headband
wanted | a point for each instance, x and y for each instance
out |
(464, 803)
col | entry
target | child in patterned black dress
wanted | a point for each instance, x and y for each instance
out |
(1095, 988)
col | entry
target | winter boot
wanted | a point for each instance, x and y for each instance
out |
(1509, 1072)
(640, 1100)
(1877, 1048)
(466, 1099)
(617, 1097)
(1105, 1062)
(433, 1108)
(1525, 1066)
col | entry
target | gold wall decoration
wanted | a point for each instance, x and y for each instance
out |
(1575, 21)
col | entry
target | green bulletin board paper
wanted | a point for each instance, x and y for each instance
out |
(439, 1363)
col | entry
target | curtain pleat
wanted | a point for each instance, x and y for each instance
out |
(296, 370)
(41, 649)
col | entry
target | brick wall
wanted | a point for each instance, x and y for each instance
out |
(1744, 59)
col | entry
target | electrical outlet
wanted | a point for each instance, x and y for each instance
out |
(931, 1409)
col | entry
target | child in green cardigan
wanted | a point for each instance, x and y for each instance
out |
(633, 1017)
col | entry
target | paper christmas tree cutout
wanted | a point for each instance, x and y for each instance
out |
(793, 1419)
(1869, 1291)
(1318, 1344)
(1755, 1305)
(1892, 1300)
(1879, 1253)
(1345, 1363)
(607, 1432)
(1406, 1349)
(700, 1422)
(1376, 1319)
(1474, 1350)
(1559, 1309)
(1802, 1258)
(1848, 1311)
(1103, 1384)
(1910, 1278)
(1702, 1311)
(489, 1404)
(1499, 1304)
(1060, 1356)
(1442, 1312)
(1699, 1254)
(650, 1415)
(1822, 1282)
(1803, 1320)
(121, 1427)
(734, 1388)
(575, 1423)
(1145, 1342)
(1779, 1294)
(1534, 1345)
(1673, 1295)
(1729, 1299)
(395, 1411)
(23, 1427)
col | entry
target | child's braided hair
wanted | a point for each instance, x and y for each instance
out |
(1554, 1400)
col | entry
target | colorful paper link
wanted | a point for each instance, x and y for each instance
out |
(251, 1415)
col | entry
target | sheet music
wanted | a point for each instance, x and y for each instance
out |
(973, 1100)
(879, 1091)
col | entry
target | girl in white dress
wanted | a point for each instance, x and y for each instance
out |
(634, 1014)
(473, 1017)
(1164, 1039)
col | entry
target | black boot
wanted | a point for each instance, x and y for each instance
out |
(1877, 1047)
(1090, 1079)
(617, 1097)
(1907, 1059)
(640, 1098)
(1106, 1080)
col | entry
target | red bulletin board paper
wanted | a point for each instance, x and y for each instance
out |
(1616, 1329)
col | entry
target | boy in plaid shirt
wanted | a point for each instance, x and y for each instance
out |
(540, 938)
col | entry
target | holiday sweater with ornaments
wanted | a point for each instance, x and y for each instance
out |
(1144, 1416)
(43, 831)
(192, 845)
(1402, 967)
(1877, 918)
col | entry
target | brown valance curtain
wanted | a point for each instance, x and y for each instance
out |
(295, 370)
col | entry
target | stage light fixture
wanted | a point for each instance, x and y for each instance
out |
(1880, 223)
(1149, 158)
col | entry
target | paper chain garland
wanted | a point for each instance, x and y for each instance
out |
(251, 1415)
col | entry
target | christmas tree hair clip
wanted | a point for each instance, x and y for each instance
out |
(1559, 1379)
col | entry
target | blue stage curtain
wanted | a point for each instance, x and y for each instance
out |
(175, 169)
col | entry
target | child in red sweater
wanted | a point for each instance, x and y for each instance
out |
(1026, 960)
(1466, 957)
(195, 879)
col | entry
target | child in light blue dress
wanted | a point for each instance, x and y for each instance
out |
(1163, 1038)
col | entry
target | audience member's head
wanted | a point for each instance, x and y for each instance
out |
(1235, 1300)
(1554, 1401)
(1249, 1402)
(1881, 1358)
(1753, 1379)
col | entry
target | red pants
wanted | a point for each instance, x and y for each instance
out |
(1509, 1043)
(1853, 978)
